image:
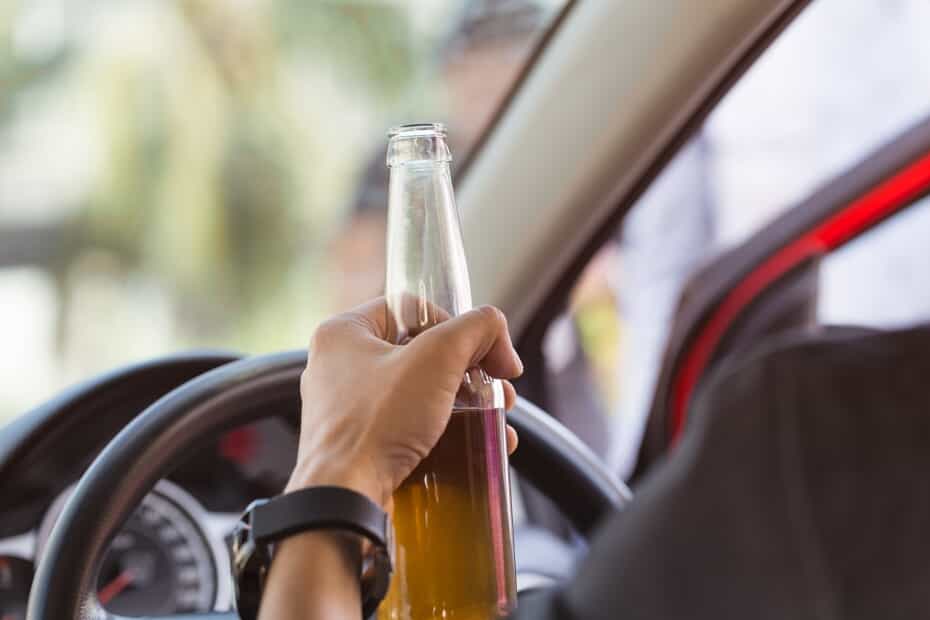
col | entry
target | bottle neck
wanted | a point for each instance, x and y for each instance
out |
(427, 276)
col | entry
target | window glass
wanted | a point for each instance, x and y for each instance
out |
(880, 279)
(843, 79)
(210, 174)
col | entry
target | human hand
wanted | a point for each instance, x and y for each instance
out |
(373, 410)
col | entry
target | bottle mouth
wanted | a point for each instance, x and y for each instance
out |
(418, 130)
(417, 143)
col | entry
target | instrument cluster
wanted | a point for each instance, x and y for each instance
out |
(172, 554)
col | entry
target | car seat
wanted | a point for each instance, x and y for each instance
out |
(797, 491)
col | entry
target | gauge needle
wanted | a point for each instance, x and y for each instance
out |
(110, 591)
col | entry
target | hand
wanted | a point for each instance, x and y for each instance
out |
(372, 410)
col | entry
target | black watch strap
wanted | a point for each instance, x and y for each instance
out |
(318, 508)
(266, 522)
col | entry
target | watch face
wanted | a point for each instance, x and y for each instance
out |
(249, 565)
(377, 580)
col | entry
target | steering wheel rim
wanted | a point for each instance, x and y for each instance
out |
(550, 457)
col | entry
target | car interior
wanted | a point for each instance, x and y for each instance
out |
(149, 462)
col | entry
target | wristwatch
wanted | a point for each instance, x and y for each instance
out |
(267, 521)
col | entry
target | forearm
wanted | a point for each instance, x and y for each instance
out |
(314, 575)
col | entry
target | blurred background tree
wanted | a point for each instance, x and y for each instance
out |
(206, 159)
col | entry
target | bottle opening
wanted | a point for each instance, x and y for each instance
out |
(418, 129)
(418, 143)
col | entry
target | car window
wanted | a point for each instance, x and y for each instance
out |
(816, 102)
(880, 279)
(177, 175)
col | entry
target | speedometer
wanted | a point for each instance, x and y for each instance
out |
(161, 561)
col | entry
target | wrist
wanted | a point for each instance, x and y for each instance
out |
(314, 575)
(326, 528)
(307, 475)
(344, 548)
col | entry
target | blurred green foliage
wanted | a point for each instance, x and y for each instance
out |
(373, 41)
(17, 73)
(214, 180)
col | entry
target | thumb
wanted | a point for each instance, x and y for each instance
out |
(478, 337)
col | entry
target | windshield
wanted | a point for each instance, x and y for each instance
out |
(208, 173)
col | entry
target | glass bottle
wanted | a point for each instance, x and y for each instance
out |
(452, 517)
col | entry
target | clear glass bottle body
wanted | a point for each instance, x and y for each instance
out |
(452, 516)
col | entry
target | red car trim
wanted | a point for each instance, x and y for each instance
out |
(883, 200)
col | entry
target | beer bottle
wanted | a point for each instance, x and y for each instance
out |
(452, 517)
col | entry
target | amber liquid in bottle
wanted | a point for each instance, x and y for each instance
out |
(453, 530)
(454, 544)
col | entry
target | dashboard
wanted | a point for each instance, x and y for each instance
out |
(172, 555)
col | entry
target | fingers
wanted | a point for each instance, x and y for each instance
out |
(371, 315)
(513, 440)
(478, 337)
(510, 400)
(410, 315)
(367, 322)
(510, 395)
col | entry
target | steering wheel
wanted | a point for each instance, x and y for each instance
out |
(550, 457)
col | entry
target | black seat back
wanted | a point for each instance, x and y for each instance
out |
(799, 490)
